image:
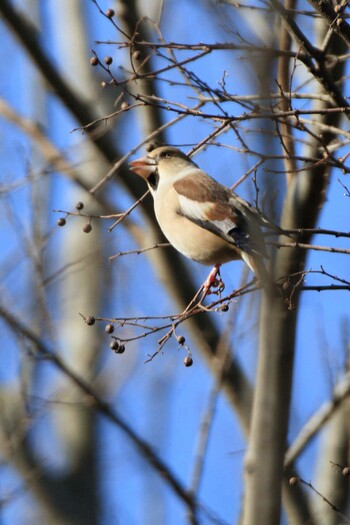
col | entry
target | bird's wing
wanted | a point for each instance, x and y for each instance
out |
(213, 207)
(259, 216)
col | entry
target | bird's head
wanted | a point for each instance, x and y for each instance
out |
(163, 162)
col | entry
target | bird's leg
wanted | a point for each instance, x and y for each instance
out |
(213, 281)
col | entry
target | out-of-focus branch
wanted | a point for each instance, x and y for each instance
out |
(284, 82)
(135, 26)
(332, 478)
(53, 157)
(101, 405)
(169, 265)
(270, 417)
(312, 54)
(334, 17)
(317, 421)
(28, 35)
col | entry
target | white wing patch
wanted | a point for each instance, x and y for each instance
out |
(194, 209)
(198, 213)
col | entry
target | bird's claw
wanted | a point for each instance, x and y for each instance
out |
(213, 284)
(217, 286)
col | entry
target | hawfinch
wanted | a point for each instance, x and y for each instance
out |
(202, 219)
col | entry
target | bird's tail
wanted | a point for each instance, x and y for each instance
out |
(257, 265)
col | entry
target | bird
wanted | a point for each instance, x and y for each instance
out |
(201, 218)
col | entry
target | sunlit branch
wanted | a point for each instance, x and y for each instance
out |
(295, 480)
(304, 246)
(143, 250)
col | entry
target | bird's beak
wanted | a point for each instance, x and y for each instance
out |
(143, 167)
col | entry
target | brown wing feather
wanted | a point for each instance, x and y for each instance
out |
(201, 188)
(224, 213)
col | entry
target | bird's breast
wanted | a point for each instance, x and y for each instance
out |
(190, 239)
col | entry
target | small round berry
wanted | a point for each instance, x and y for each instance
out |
(121, 349)
(286, 285)
(110, 13)
(109, 328)
(61, 221)
(346, 471)
(224, 308)
(293, 480)
(188, 361)
(90, 320)
(181, 340)
(79, 205)
(124, 105)
(114, 345)
(87, 228)
(136, 55)
(94, 61)
(339, 22)
(108, 60)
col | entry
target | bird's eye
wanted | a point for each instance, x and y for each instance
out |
(165, 155)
